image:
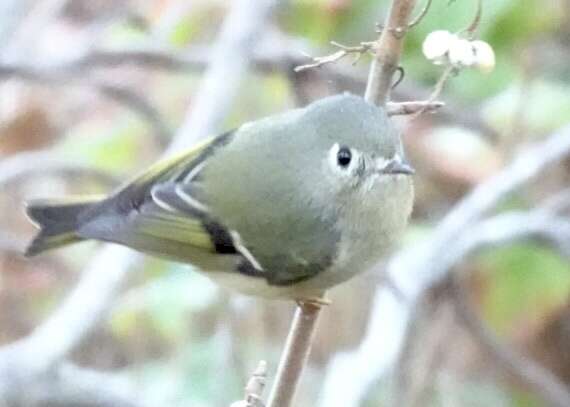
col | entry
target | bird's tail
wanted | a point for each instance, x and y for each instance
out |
(58, 220)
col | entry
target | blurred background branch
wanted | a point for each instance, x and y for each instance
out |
(36, 359)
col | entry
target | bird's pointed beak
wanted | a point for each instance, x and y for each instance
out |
(398, 165)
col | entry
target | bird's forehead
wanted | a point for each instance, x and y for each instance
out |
(350, 121)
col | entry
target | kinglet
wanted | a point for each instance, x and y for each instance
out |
(283, 207)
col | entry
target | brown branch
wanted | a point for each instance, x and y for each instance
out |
(387, 52)
(344, 51)
(295, 354)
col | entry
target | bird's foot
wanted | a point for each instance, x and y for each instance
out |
(313, 302)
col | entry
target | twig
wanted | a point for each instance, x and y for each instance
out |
(295, 354)
(476, 20)
(358, 51)
(438, 88)
(421, 16)
(405, 108)
(254, 388)
(387, 52)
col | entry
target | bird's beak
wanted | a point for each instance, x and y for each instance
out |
(398, 165)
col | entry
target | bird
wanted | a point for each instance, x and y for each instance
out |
(284, 207)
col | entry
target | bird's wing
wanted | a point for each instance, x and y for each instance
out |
(151, 206)
(183, 166)
(166, 205)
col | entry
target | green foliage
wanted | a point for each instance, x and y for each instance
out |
(545, 106)
(525, 282)
(110, 148)
(165, 303)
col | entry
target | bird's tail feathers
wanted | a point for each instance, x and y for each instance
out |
(57, 220)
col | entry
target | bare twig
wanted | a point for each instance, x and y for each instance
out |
(438, 88)
(254, 388)
(357, 51)
(295, 354)
(387, 52)
(405, 108)
(420, 16)
(476, 20)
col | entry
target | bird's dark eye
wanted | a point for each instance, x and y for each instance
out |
(343, 156)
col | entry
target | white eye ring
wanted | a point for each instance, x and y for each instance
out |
(342, 157)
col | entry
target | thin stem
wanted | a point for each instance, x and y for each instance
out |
(421, 16)
(388, 50)
(295, 354)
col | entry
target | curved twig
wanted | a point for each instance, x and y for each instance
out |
(420, 16)
(476, 20)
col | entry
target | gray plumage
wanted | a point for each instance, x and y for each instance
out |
(270, 209)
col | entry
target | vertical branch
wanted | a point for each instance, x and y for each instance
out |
(295, 354)
(388, 50)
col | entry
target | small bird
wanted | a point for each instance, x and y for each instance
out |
(284, 207)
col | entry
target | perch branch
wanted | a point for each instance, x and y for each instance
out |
(387, 52)
(295, 354)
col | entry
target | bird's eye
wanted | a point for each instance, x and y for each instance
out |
(344, 156)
